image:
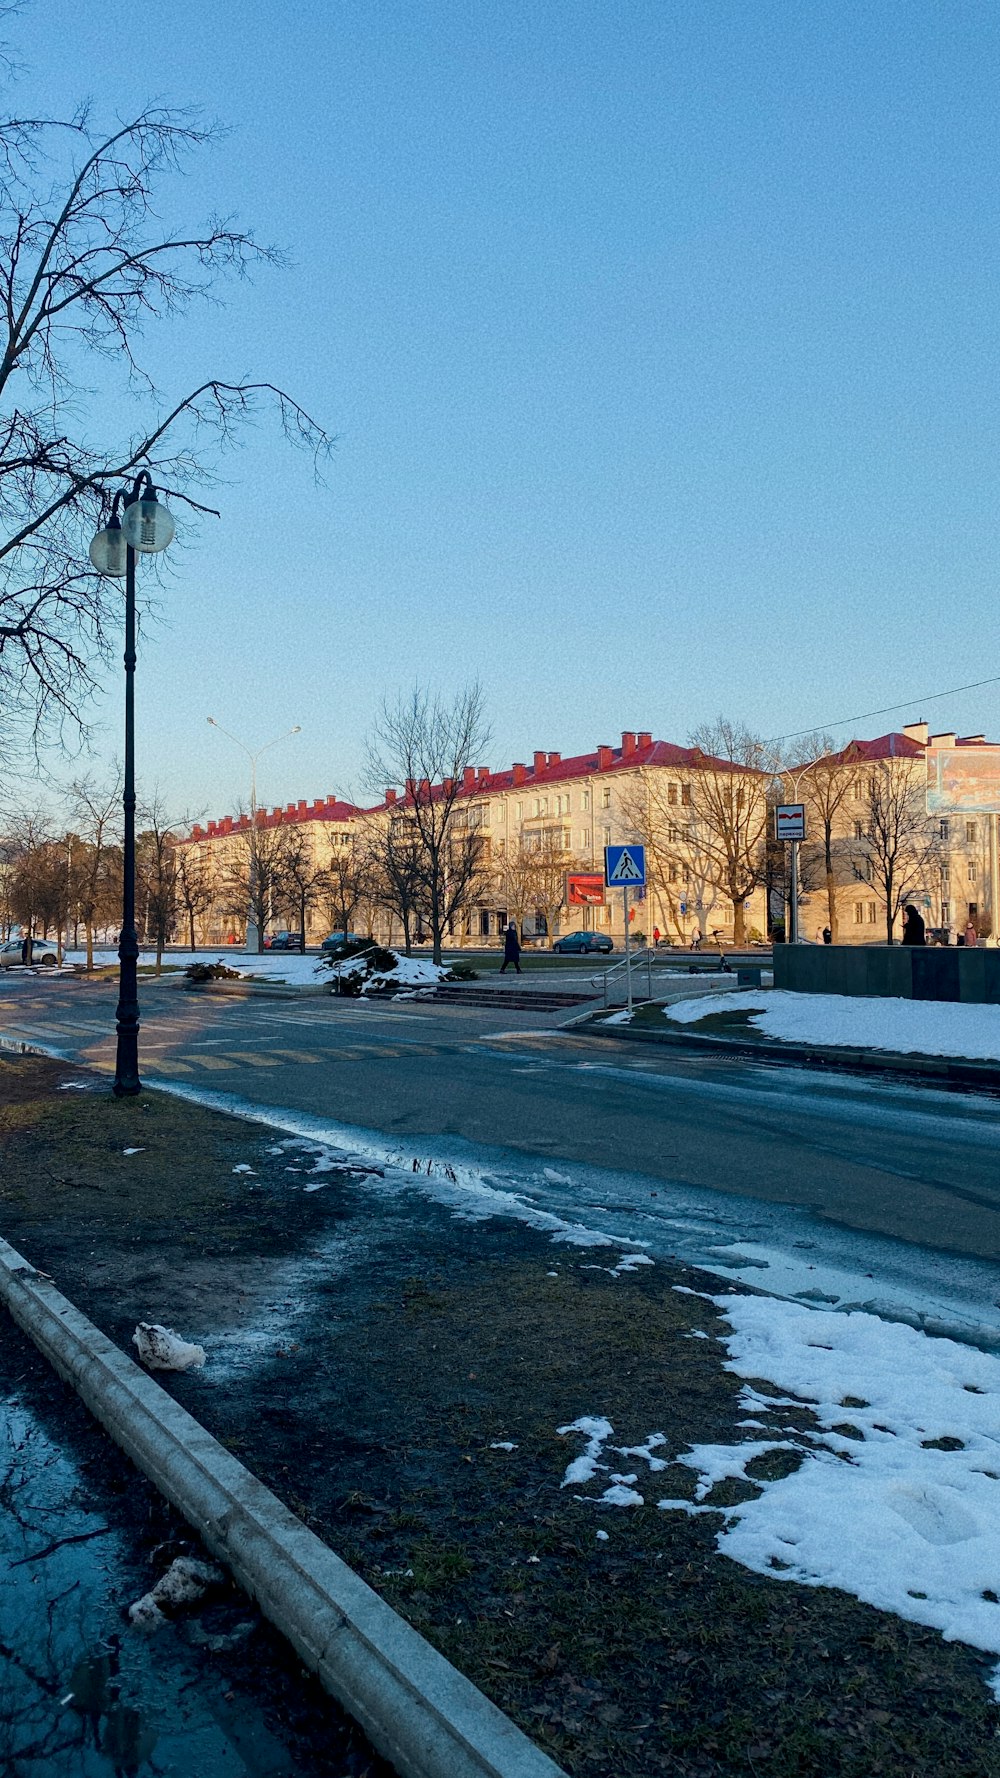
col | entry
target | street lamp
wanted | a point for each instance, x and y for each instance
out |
(145, 528)
(253, 756)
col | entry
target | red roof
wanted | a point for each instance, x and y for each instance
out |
(326, 809)
(894, 746)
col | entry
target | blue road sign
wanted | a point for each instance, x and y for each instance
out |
(625, 867)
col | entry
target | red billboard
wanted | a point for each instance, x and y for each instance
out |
(584, 889)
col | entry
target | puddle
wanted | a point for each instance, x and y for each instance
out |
(85, 1694)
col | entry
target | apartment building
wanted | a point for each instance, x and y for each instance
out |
(540, 823)
(221, 855)
(876, 797)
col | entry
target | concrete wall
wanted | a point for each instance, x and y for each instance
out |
(906, 972)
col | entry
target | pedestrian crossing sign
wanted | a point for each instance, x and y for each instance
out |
(625, 867)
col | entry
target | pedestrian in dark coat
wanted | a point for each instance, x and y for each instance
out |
(511, 949)
(913, 926)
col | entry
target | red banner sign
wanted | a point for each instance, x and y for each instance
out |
(584, 889)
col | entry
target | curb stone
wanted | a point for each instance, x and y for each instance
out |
(421, 1714)
(951, 1072)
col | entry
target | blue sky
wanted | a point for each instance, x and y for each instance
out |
(660, 341)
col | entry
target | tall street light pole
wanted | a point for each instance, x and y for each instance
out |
(144, 528)
(253, 756)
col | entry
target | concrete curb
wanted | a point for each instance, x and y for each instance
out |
(424, 1716)
(944, 1071)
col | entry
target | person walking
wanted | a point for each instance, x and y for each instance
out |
(696, 939)
(511, 949)
(971, 935)
(913, 926)
(656, 936)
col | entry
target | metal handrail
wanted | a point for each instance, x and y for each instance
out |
(634, 958)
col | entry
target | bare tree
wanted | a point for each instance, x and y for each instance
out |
(348, 881)
(196, 887)
(824, 783)
(395, 880)
(156, 860)
(729, 802)
(304, 877)
(85, 267)
(96, 882)
(531, 874)
(255, 874)
(901, 850)
(37, 888)
(424, 746)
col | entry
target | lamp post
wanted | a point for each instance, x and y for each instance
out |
(253, 756)
(144, 528)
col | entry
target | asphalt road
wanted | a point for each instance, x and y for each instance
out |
(902, 1161)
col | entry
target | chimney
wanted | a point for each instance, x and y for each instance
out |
(482, 774)
(645, 738)
(390, 798)
(291, 809)
(469, 778)
(555, 759)
(605, 755)
(303, 806)
(411, 785)
(539, 765)
(519, 773)
(628, 743)
(196, 833)
(947, 740)
(916, 731)
(448, 785)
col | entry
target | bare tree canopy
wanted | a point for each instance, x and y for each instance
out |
(424, 747)
(86, 266)
(900, 852)
(729, 802)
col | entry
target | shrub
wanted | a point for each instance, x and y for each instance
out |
(462, 972)
(211, 972)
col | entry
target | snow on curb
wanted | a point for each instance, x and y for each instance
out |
(906, 1027)
(426, 1718)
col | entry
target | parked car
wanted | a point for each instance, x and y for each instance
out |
(583, 944)
(283, 941)
(10, 953)
(335, 941)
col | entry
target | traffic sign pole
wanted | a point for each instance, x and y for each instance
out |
(793, 907)
(628, 954)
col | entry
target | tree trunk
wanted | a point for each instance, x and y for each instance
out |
(159, 953)
(191, 927)
(831, 907)
(89, 930)
(739, 921)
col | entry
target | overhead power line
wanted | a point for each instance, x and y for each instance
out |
(886, 710)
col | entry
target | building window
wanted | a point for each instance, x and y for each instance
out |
(607, 836)
(859, 830)
(672, 795)
(585, 839)
(673, 832)
(872, 913)
(858, 791)
(971, 833)
(519, 812)
(943, 829)
(859, 913)
(606, 797)
(585, 801)
(945, 913)
(686, 795)
(673, 873)
(971, 872)
(973, 909)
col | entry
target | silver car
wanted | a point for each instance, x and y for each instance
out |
(10, 953)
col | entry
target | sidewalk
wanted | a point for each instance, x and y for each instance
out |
(434, 1397)
(727, 1031)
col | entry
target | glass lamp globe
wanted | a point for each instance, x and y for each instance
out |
(147, 525)
(107, 552)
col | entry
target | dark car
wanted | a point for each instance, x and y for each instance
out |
(583, 944)
(335, 941)
(283, 941)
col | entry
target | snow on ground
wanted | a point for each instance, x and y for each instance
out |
(897, 1499)
(927, 1027)
(285, 966)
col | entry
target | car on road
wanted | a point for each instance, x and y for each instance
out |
(583, 944)
(283, 941)
(10, 954)
(335, 941)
